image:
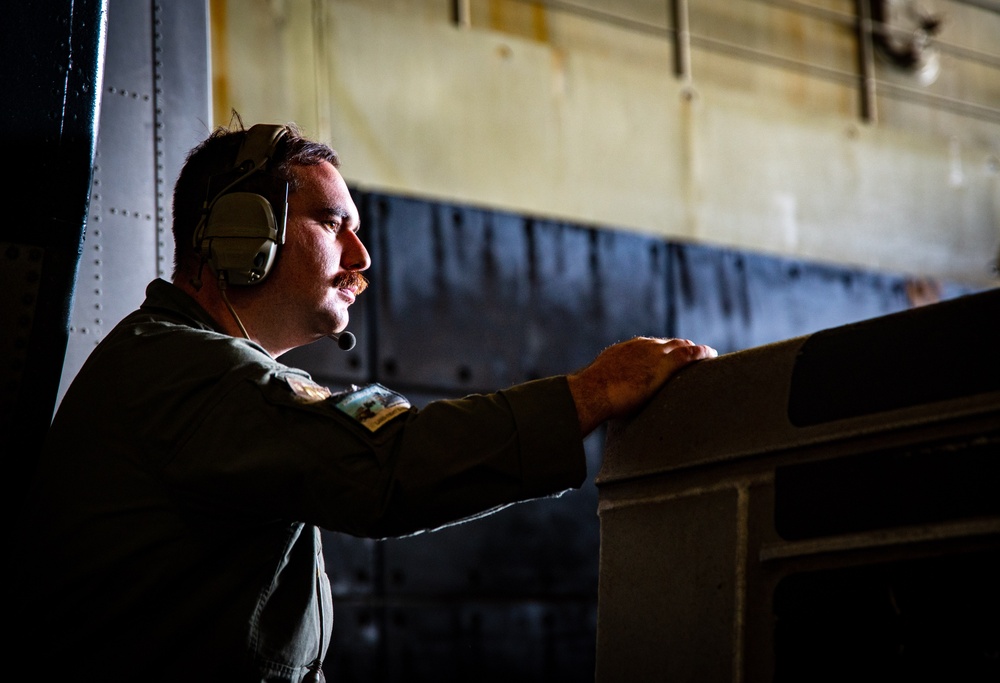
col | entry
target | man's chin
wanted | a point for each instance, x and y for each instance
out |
(339, 323)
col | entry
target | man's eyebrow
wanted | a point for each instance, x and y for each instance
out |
(335, 212)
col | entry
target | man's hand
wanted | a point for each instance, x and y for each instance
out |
(625, 376)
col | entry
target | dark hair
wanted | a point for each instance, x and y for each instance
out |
(217, 155)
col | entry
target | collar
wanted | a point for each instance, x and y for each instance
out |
(166, 299)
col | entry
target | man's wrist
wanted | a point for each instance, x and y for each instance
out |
(590, 397)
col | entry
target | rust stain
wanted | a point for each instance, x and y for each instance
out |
(219, 27)
(539, 23)
(796, 83)
(922, 291)
(527, 20)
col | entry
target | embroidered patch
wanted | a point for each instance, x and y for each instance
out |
(306, 391)
(372, 405)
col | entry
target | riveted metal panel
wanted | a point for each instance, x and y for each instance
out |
(452, 294)
(154, 58)
(182, 87)
(588, 289)
(632, 282)
(562, 283)
(735, 300)
(121, 236)
(792, 298)
(478, 299)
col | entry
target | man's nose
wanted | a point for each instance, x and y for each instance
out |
(355, 255)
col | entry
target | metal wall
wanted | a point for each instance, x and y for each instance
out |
(763, 125)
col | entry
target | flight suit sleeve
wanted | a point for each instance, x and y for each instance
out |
(282, 445)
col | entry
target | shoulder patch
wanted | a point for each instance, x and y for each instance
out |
(307, 391)
(372, 405)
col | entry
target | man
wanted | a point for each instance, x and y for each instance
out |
(173, 532)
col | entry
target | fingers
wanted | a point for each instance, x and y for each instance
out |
(658, 355)
(695, 351)
(674, 354)
(674, 343)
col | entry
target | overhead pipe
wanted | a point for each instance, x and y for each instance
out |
(866, 62)
(461, 13)
(682, 39)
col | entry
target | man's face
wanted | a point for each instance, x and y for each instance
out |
(315, 277)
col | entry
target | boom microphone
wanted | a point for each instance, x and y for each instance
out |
(345, 340)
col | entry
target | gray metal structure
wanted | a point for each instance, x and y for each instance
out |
(818, 509)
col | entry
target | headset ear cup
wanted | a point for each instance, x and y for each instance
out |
(241, 237)
(244, 222)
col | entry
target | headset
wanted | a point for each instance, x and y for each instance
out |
(243, 221)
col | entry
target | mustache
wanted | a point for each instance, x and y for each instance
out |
(352, 280)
